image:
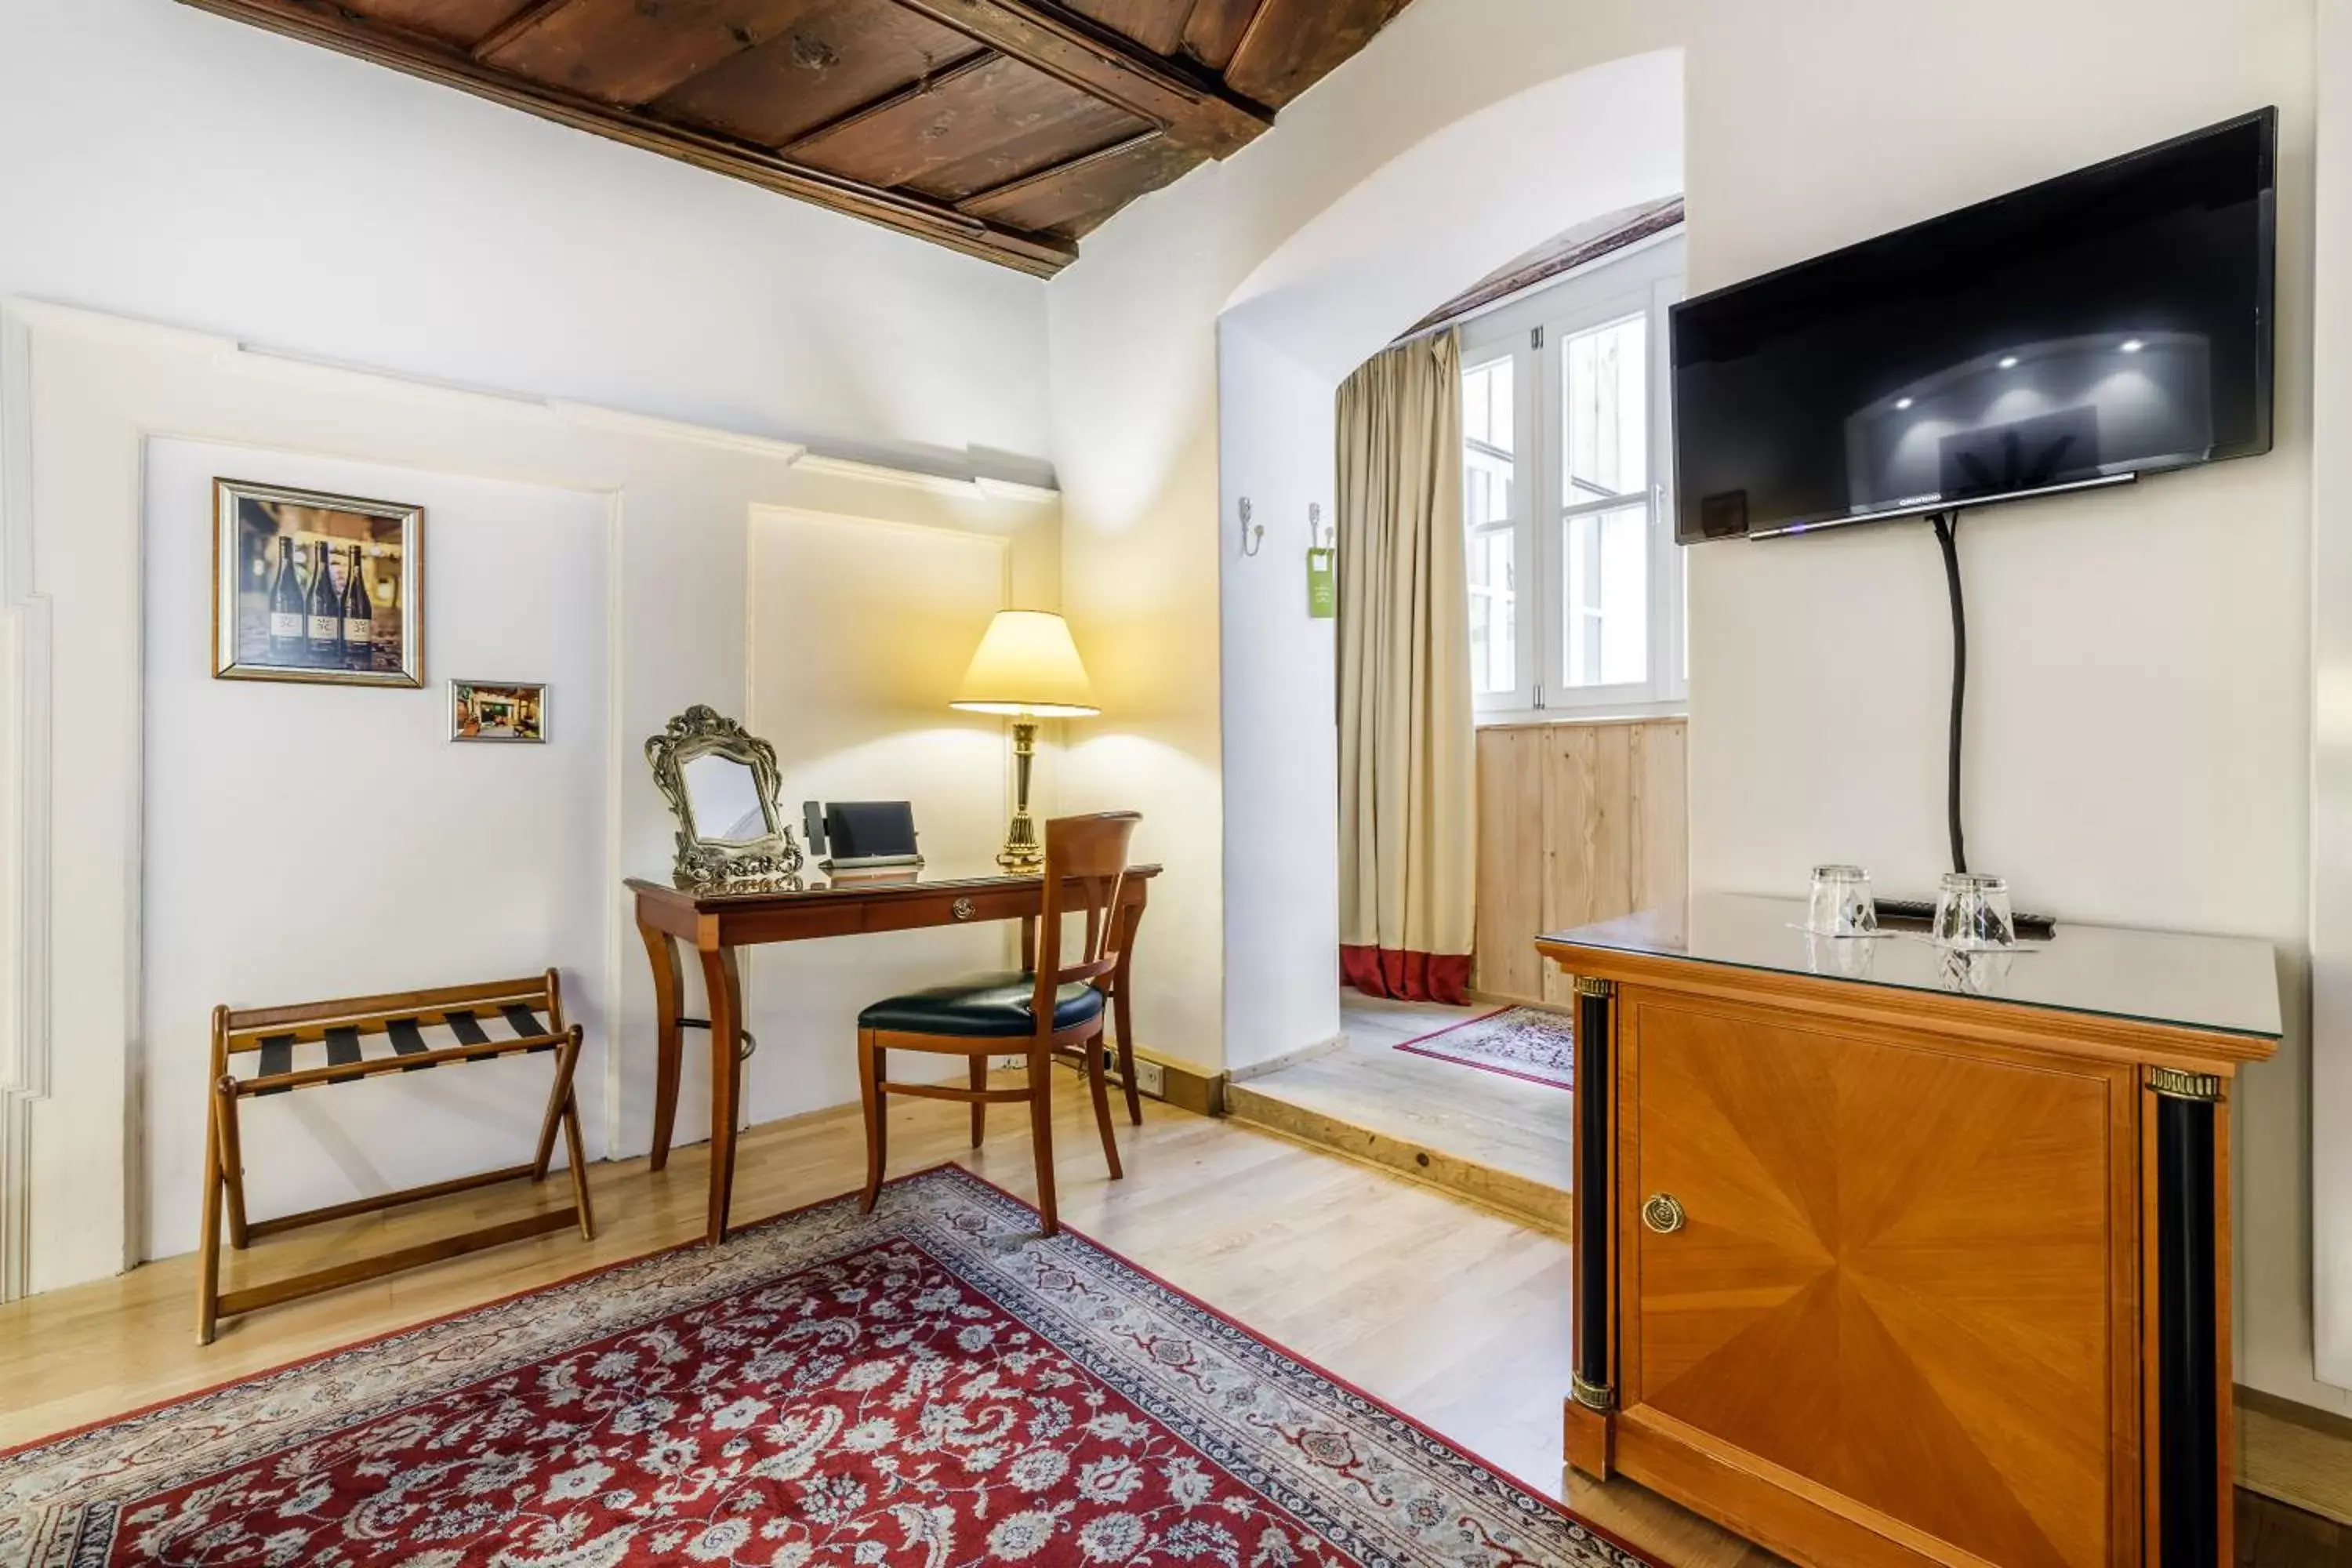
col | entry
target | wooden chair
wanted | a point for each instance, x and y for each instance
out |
(1056, 1011)
(341, 1042)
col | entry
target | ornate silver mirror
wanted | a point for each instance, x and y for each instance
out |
(722, 784)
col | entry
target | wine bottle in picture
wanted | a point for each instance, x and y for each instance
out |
(288, 643)
(359, 618)
(325, 611)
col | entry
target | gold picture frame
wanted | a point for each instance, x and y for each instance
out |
(269, 543)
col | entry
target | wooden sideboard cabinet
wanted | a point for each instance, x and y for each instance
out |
(1887, 1255)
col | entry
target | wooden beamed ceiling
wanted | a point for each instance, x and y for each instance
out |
(1007, 129)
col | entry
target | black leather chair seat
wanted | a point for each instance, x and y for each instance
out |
(987, 1006)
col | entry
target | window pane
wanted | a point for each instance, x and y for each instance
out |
(1493, 618)
(1606, 599)
(1487, 470)
(1607, 373)
(1486, 405)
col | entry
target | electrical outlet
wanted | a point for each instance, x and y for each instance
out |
(1151, 1079)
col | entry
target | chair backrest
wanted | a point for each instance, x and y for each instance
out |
(1085, 869)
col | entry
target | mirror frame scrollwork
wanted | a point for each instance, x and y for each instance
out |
(701, 732)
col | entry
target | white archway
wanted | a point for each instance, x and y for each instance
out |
(1426, 226)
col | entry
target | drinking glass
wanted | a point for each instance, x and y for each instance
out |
(1973, 913)
(1841, 904)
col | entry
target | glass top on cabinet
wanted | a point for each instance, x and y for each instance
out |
(2223, 984)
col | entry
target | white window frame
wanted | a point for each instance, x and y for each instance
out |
(1529, 330)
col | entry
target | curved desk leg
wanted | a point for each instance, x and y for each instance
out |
(662, 948)
(726, 988)
(1122, 1016)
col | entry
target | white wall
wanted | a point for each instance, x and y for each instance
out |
(2139, 704)
(860, 632)
(2331, 819)
(1281, 873)
(657, 600)
(2139, 686)
(1146, 534)
(170, 166)
(175, 166)
(311, 841)
(1433, 221)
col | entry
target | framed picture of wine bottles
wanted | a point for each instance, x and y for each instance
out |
(316, 587)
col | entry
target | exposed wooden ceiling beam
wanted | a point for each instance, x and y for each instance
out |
(1190, 109)
(324, 23)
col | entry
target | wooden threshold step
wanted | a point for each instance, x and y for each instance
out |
(1530, 1203)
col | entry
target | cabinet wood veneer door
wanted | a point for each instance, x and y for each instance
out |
(1905, 1272)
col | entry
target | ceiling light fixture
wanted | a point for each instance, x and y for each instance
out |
(2008, 361)
(1902, 402)
(2133, 345)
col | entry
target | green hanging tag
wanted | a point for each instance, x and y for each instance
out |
(1322, 583)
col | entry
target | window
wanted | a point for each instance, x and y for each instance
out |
(1564, 463)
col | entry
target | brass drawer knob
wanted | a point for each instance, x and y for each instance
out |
(1662, 1213)
(962, 909)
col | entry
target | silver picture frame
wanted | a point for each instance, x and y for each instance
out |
(497, 713)
(266, 535)
(705, 763)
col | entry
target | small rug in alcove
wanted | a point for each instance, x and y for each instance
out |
(1518, 1042)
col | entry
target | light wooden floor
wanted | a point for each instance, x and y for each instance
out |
(2297, 1456)
(1457, 1317)
(1492, 1139)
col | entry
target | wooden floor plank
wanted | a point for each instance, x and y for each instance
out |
(2300, 1457)
(2272, 1534)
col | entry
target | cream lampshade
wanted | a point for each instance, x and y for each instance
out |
(1028, 666)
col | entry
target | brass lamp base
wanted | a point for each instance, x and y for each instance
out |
(1022, 854)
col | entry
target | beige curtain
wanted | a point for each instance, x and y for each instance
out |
(1408, 827)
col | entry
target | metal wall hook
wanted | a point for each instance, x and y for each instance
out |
(1318, 536)
(1252, 539)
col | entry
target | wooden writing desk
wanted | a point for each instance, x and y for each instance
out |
(718, 923)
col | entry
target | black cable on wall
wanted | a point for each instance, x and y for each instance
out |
(1946, 523)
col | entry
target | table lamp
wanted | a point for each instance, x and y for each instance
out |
(1028, 668)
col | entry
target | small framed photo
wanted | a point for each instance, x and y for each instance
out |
(498, 711)
(315, 587)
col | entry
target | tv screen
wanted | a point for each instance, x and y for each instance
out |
(2109, 322)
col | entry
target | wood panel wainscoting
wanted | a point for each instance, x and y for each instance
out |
(1579, 820)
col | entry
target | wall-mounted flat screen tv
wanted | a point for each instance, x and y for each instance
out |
(2107, 323)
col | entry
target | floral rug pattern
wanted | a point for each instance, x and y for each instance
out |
(1517, 1042)
(932, 1386)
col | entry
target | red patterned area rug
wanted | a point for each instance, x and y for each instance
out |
(932, 1386)
(1524, 1043)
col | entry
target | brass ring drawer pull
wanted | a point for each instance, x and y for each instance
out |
(1662, 1213)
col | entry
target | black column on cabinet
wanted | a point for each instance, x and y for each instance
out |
(2189, 1439)
(1595, 1001)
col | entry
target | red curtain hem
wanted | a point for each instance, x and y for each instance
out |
(1407, 977)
